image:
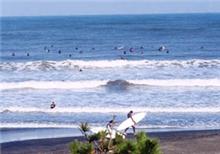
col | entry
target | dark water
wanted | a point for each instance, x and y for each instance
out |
(185, 35)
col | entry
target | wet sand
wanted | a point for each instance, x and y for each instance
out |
(179, 142)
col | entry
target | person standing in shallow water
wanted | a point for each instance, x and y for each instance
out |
(52, 105)
(129, 115)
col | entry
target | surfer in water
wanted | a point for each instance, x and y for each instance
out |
(52, 105)
(129, 115)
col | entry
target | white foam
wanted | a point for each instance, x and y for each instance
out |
(37, 125)
(75, 64)
(85, 84)
(52, 84)
(106, 110)
(178, 82)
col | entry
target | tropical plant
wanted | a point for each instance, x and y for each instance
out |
(98, 144)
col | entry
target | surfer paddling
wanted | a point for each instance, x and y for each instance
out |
(129, 115)
(52, 105)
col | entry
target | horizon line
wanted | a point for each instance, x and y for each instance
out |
(118, 14)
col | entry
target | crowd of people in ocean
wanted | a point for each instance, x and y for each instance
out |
(124, 50)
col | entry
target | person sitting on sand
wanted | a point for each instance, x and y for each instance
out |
(52, 105)
(129, 115)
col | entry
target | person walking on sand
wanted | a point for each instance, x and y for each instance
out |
(52, 105)
(110, 126)
(129, 115)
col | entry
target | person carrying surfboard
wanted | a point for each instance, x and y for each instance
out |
(110, 125)
(129, 115)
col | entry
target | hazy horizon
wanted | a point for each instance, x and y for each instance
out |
(108, 7)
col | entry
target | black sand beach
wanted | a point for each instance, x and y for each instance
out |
(179, 142)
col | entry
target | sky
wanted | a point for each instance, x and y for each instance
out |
(91, 7)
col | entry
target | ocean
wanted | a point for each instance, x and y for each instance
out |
(94, 67)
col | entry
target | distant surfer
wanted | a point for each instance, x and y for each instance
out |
(52, 105)
(131, 49)
(129, 115)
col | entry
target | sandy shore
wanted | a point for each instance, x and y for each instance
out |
(179, 142)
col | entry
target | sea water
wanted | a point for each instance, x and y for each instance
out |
(94, 67)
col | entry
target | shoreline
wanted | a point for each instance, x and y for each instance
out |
(189, 141)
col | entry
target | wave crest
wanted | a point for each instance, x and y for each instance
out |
(113, 110)
(118, 84)
(101, 64)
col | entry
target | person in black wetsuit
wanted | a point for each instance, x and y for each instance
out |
(129, 115)
(52, 105)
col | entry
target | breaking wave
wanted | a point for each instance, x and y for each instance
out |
(113, 110)
(87, 84)
(101, 64)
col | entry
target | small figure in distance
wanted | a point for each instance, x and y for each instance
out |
(13, 54)
(129, 115)
(52, 105)
(131, 49)
(162, 48)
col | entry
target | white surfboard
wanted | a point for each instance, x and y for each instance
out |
(128, 123)
(97, 129)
